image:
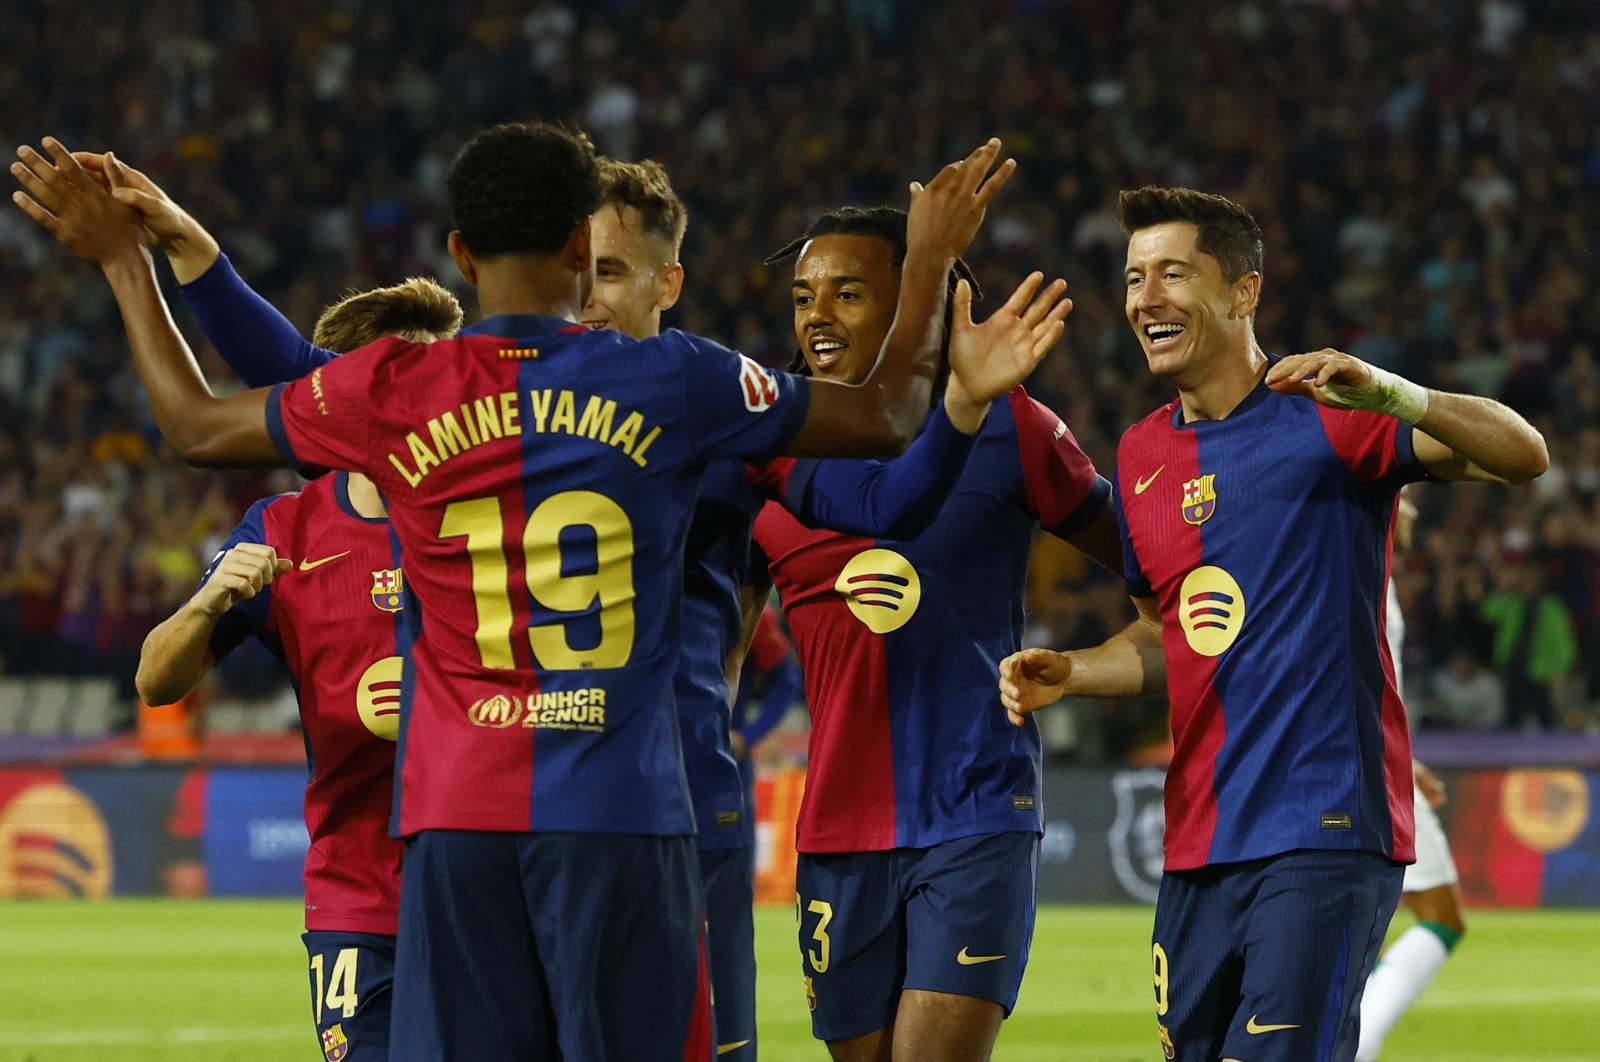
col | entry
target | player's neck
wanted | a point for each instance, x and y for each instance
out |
(1222, 385)
(365, 499)
(511, 288)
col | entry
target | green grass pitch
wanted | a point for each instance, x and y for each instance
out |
(145, 980)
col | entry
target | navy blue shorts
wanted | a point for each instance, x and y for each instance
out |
(1266, 960)
(551, 945)
(352, 989)
(728, 877)
(956, 917)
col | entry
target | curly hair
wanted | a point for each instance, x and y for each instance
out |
(522, 187)
(644, 185)
(418, 309)
(886, 223)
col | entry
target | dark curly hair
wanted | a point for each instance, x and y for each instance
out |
(522, 187)
(888, 224)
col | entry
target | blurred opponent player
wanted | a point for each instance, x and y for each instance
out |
(332, 624)
(1256, 512)
(549, 900)
(1431, 889)
(919, 829)
(637, 234)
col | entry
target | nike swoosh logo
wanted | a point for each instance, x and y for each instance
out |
(1144, 484)
(972, 960)
(307, 565)
(723, 1049)
(1255, 1029)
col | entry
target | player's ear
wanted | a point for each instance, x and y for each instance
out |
(463, 257)
(669, 286)
(578, 251)
(1246, 295)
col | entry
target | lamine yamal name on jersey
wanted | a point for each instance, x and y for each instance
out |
(499, 416)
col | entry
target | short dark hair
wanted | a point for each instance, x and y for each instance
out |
(644, 185)
(888, 224)
(417, 307)
(1227, 231)
(522, 187)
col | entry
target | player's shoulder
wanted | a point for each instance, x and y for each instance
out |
(1152, 425)
(689, 344)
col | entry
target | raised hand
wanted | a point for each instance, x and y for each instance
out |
(242, 573)
(991, 358)
(74, 207)
(945, 215)
(188, 246)
(1032, 679)
(1332, 378)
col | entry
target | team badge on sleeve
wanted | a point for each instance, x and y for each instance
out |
(759, 387)
(388, 586)
(335, 1045)
(1199, 499)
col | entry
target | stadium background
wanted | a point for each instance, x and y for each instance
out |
(1426, 174)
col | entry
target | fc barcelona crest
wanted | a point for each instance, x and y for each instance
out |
(1199, 499)
(388, 589)
(335, 1045)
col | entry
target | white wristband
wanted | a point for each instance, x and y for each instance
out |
(1389, 393)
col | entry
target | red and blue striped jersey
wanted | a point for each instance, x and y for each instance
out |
(900, 643)
(540, 479)
(332, 621)
(1266, 539)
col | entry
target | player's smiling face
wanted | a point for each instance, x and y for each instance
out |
(1183, 311)
(845, 292)
(635, 277)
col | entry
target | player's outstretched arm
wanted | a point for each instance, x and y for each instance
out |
(82, 215)
(1131, 663)
(257, 342)
(1458, 436)
(177, 653)
(881, 415)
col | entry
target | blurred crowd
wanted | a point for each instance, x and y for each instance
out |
(1426, 173)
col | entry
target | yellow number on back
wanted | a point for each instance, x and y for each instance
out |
(610, 585)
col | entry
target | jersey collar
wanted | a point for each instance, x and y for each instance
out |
(519, 324)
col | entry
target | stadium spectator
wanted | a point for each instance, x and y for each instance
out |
(1423, 133)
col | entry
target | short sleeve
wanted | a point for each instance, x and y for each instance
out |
(1133, 576)
(1063, 490)
(1374, 447)
(247, 619)
(736, 407)
(325, 420)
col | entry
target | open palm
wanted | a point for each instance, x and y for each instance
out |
(991, 358)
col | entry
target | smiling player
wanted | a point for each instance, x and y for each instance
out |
(1256, 512)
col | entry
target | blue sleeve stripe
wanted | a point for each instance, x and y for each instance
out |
(1405, 449)
(798, 483)
(275, 428)
(1094, 503)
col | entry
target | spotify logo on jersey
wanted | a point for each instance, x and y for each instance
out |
(378, 697)
(1211, 609)
(881, 588)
